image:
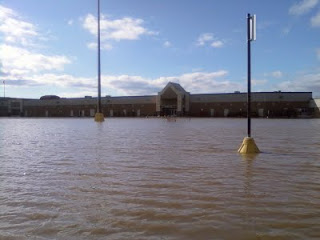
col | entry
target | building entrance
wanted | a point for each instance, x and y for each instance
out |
(169, 111)
(173, 100)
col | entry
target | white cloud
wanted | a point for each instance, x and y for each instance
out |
(167, 44)
(92, 45)
(315, 21)
(103, 46)
(274, 74)
(115, 30)
(277, 74)
(5, 12)
(70, 22)
(306, 82)
(195, 82)
(129, 85)
(14, 29)
(51, 79)
(217, 44)
(63, 80)
(120, 29)
(204, 38)
(208, 38)
(302, 7)
(203, 82)
(18, 61)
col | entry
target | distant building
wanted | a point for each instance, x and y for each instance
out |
(49, 97)
(172, 100)
(315, 107)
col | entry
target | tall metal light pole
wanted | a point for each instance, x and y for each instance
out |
(248, 145)
(249, 39)
(99, 117)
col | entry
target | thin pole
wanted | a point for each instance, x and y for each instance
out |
(249, 77)
(99, 65)
(4, 89)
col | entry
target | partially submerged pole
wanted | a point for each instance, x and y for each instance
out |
(99, 117)
(248, 145)
(249, 75)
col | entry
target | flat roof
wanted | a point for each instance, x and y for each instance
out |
(244, 93)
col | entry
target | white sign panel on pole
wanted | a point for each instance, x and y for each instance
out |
(253, 28)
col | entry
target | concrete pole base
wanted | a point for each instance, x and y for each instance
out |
(99, 117)
(248, 146)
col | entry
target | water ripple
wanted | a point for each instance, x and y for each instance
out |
(152, 179)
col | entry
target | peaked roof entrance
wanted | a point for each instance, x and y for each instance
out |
(173, 100)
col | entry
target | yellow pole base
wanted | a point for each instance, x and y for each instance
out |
(248, 146)
(99, 117)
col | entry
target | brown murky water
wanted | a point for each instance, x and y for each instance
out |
(152, 179)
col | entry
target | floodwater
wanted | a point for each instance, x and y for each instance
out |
(131, 178)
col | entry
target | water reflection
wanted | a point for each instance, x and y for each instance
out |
(249, 198)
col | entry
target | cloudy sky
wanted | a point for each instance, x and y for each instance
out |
(49, 47)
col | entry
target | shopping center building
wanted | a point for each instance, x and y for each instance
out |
(172, 100)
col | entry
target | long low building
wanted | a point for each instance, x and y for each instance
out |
(172, 100)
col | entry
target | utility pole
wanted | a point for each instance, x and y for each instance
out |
(99, 117)
(250, 37)
(248, 145)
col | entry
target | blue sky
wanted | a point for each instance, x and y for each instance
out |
(49, 47)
